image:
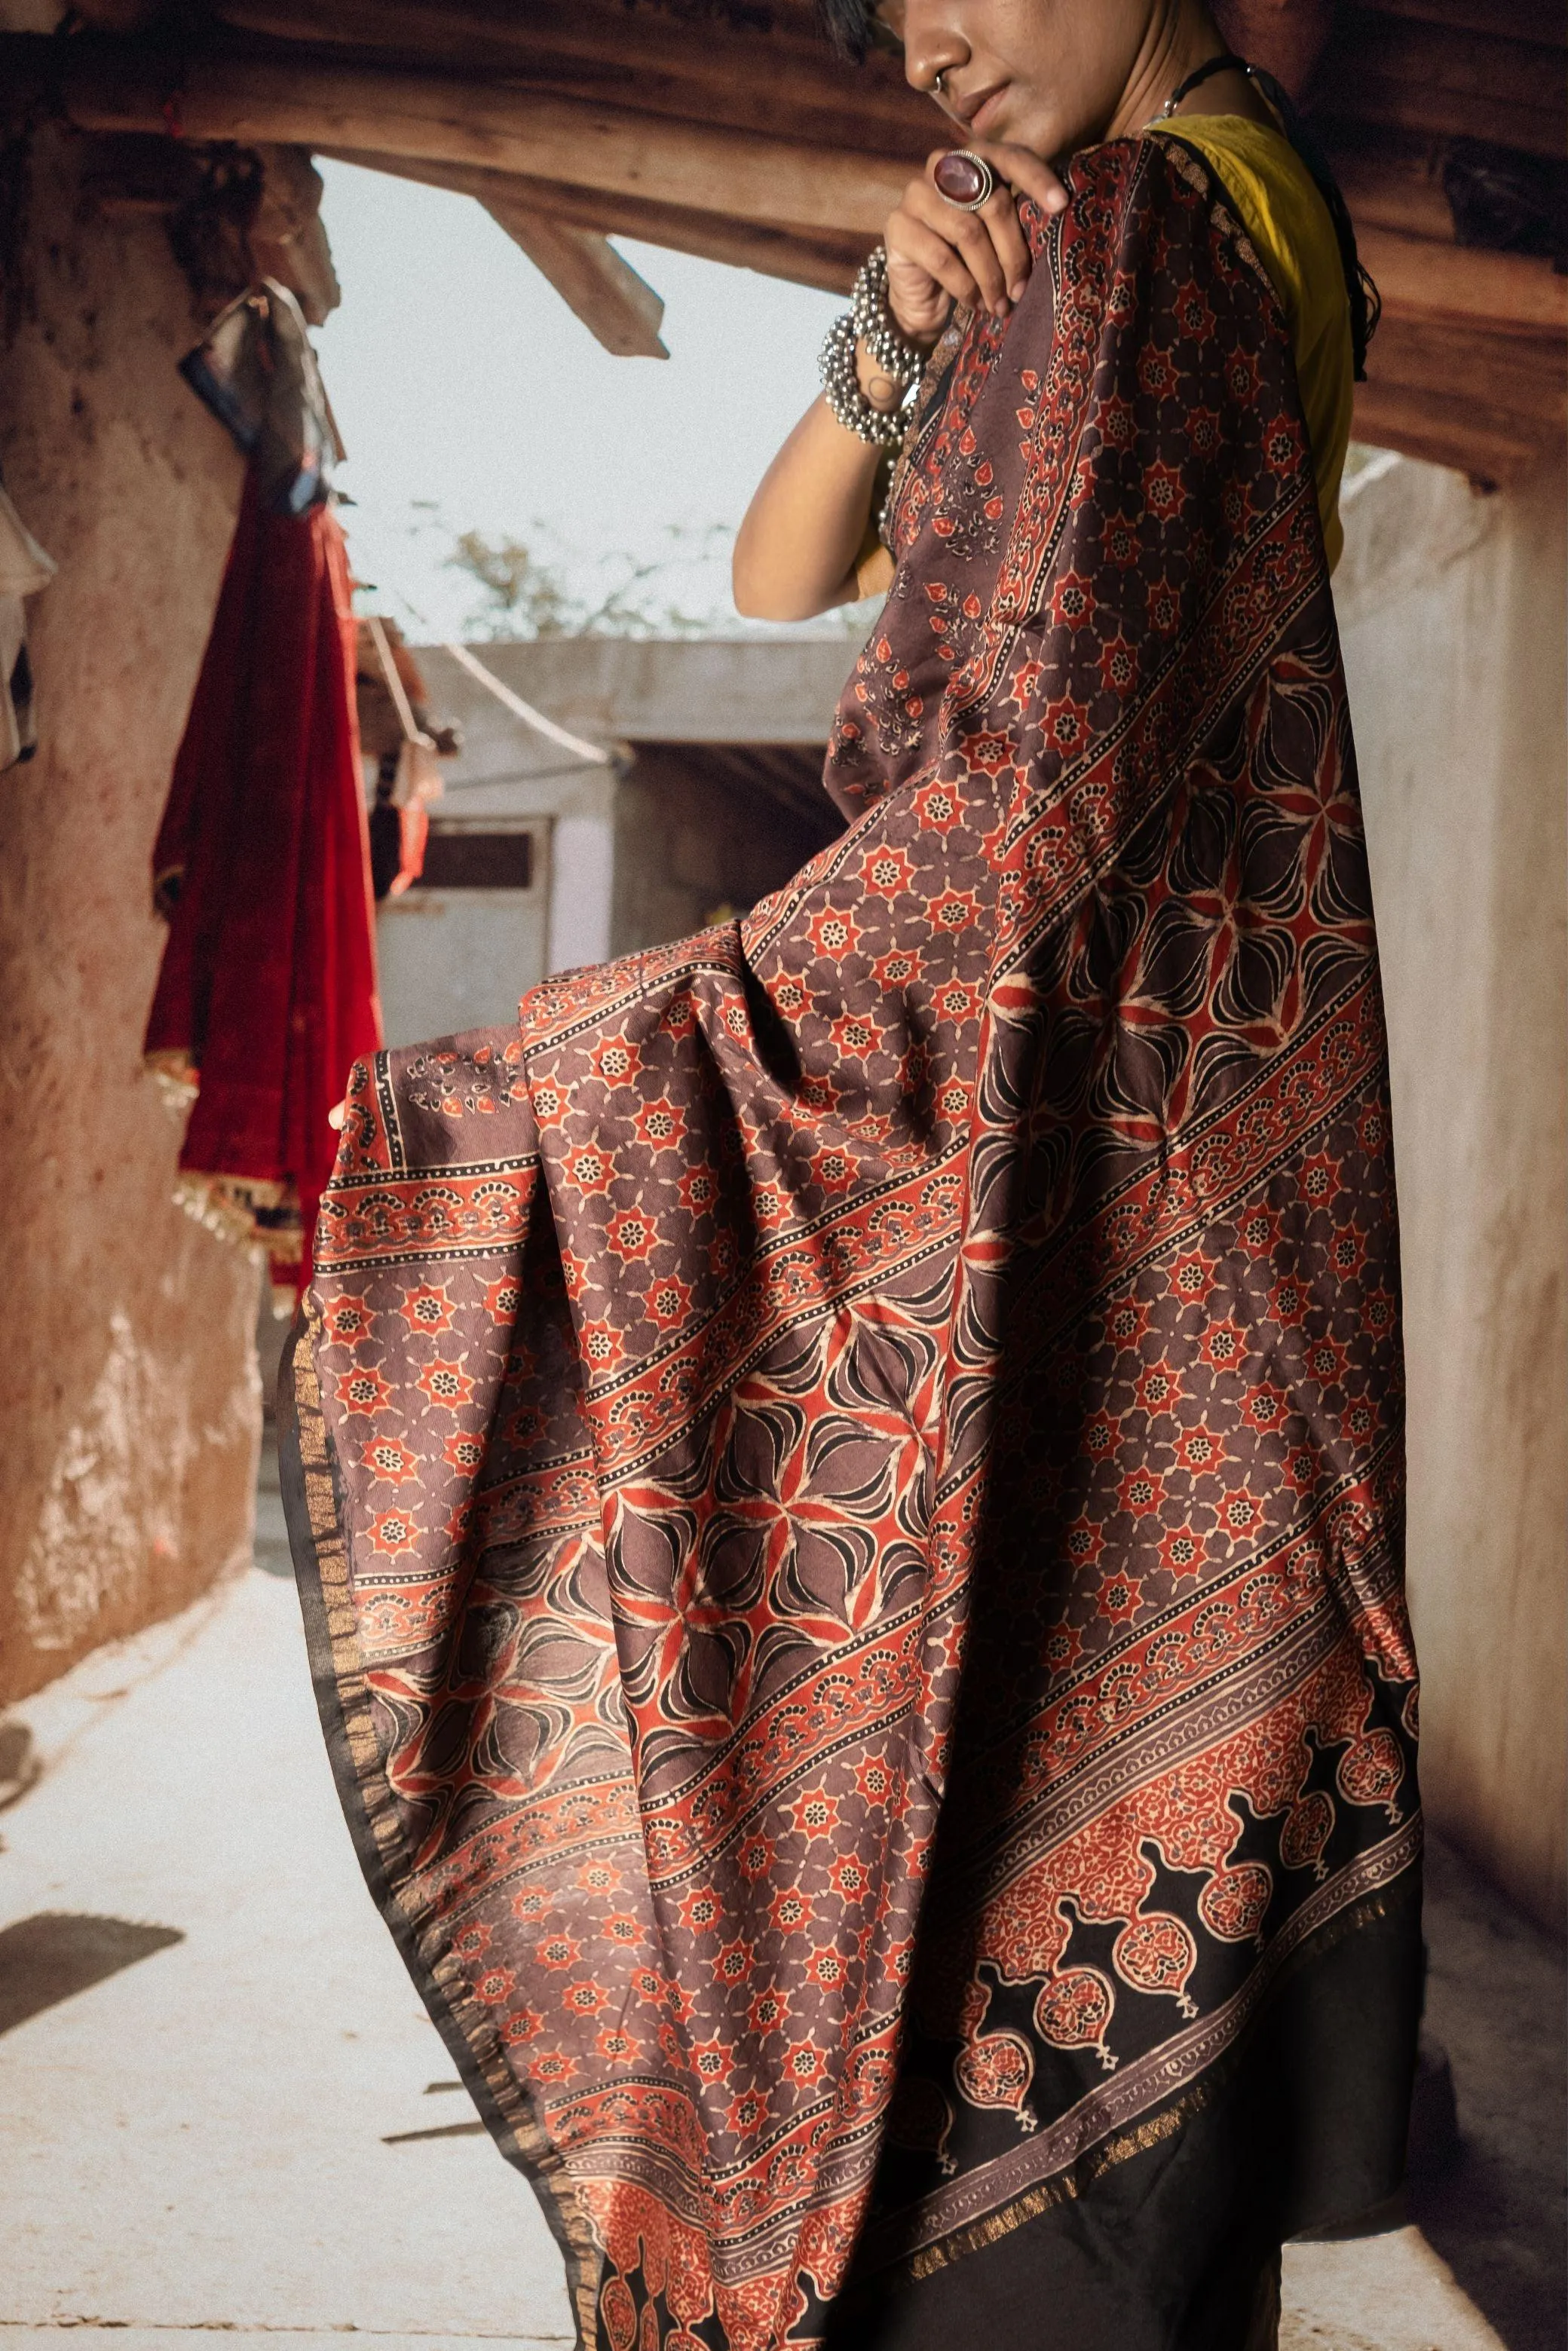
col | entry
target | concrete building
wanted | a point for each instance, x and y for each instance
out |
(708, 793)
(1451, 607)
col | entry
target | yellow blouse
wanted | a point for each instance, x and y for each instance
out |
(1286, 218)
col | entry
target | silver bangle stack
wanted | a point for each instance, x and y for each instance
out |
(877, 328)
(869, 320)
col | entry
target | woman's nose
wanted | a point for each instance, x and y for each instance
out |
(934, 45)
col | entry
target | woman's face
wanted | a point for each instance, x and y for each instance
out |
(1044, 73)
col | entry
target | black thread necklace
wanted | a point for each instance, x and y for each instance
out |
(1201, 74)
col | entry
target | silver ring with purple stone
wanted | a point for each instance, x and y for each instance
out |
(964, 179)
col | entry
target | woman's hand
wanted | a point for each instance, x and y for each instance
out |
(937, 254)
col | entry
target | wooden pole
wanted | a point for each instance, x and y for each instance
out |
(617, 307)
(497, 127)
(821, 258)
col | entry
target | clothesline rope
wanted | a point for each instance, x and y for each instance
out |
(591, 752)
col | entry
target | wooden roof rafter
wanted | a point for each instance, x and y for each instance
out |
(737, 133)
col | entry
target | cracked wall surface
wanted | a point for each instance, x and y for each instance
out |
(127, 1395)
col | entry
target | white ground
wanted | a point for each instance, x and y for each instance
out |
(197, 2143)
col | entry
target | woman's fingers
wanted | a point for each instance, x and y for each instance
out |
(937, 250)
(1027, 173)
(972, 236)
(1000, 215)
(1018, 172)
(915, 252)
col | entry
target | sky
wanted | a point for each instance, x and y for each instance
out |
(470, 398)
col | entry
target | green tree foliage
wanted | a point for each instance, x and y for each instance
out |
(523, 594)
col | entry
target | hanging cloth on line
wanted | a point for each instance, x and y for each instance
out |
(267, 990)
(23, 570)
(256, 370)
(396, 732)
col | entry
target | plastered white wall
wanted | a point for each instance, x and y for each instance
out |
(1452, 612)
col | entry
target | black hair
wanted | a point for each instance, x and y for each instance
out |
(851, 25)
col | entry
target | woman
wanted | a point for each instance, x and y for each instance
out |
(846, 1472)
(1044, 80)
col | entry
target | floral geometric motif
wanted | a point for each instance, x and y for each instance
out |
(995, 2071)
(1073, 2012)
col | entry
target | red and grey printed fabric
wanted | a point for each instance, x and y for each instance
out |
(847, 1471)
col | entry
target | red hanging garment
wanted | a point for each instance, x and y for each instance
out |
(267, 990)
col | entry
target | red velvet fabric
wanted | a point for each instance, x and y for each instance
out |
(269, 983)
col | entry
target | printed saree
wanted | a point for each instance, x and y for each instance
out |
(846, 1472)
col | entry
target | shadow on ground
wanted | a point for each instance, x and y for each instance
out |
(1497, 2209)
(56, 1954)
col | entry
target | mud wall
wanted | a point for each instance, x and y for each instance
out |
(1452, 607)
(128, 1391)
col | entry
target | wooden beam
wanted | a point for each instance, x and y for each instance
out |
(784, 81)
(1517, 375)
(1512, 20)
(617, 307)
(1442, 82)
(1418, 278)
(822, 258)
(104, 86)
(1396, 187)
(119, 16)
(1489, 445)
(1481, 68)
(1489, 404)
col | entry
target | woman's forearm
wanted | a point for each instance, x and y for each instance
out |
(795, 553)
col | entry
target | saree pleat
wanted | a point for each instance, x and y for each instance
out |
(846, 1473)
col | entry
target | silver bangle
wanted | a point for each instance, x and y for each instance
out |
(869, 320)
(877, 328)
(884, 428)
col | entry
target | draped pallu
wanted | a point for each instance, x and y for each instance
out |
(847, 1471)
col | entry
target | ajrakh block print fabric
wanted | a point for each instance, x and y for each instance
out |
(911, 1374)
